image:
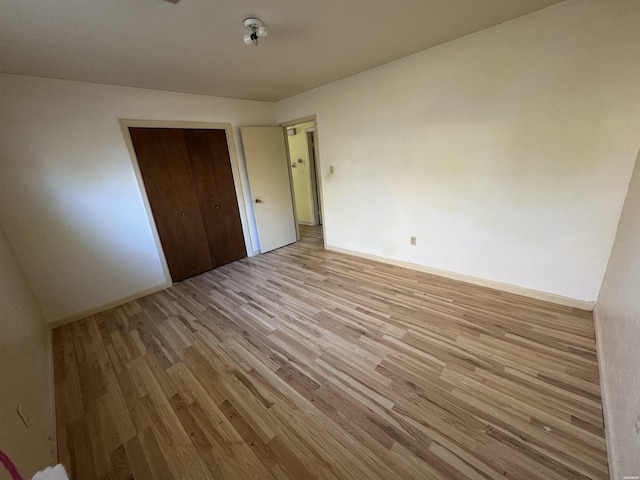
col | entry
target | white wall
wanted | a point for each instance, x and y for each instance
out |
(617, 317)
(71, 204)
(507, 152)
(25, 371)
(300, 174)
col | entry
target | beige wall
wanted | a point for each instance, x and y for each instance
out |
(73, 209)
(25, 371)
(617, 317)
(507, 152)
(301, 173)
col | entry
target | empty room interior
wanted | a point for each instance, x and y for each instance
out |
(320, 240)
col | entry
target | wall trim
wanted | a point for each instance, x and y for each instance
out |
(53, 430)
(606, 411)
(116, 303)
(505, 287)
(296, 121)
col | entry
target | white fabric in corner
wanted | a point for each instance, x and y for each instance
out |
(52, 473)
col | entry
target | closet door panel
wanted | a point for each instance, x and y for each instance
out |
(208, 155)
(166, 171)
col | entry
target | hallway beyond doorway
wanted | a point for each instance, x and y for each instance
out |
(311, 234)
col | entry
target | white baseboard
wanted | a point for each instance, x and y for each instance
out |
(311, 224)
(77, 316)
(53, 431)
(606, 412)
(505, 287)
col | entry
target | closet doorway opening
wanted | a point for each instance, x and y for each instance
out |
(189, 181)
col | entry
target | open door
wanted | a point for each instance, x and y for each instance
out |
(265, 154)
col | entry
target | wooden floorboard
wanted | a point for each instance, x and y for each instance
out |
(308, 364)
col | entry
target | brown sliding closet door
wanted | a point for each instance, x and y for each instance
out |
(211, 167)
(188, 179)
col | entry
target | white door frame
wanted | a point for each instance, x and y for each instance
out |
(125, 123)
(312, 174)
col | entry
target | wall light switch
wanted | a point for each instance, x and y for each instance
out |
(412, 240)
(331, 171)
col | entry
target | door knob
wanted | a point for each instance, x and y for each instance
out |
(217, 207)
(182, 214)
(259, 201)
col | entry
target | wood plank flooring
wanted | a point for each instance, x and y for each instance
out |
(309, 234)
(306, 364)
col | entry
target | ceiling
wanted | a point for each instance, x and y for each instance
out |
(196, 46)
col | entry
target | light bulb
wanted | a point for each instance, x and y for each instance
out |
(262, 32)
(248, 40)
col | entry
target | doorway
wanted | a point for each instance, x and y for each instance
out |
(305, 178)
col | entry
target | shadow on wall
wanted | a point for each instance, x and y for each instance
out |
(95, 223)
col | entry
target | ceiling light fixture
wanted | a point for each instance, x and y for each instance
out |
(257, 30)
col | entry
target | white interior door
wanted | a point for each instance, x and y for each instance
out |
(265, 154)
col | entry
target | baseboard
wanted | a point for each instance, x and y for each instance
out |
(606, 412)
(311, 224)
(86, 313)
(53, 431)
(504, 287)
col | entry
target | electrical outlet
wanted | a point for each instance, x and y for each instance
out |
(412, 240)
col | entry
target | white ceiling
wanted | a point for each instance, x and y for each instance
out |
(196, 46)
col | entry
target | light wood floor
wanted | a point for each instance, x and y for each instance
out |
(304, 364)
(310, 234)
